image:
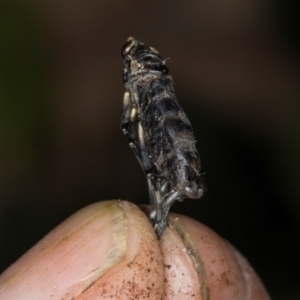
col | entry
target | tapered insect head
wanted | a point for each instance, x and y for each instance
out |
(140, 58)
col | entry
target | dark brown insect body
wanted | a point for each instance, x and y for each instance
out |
(158, 131)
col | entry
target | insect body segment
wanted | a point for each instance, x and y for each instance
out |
(158, 131)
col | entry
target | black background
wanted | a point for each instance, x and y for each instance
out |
(236, 71)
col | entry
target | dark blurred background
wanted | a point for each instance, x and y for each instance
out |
(236, 70)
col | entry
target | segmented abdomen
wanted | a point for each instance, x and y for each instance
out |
(166, 131)
(169, 134)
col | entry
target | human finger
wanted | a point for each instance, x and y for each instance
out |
(107, 249)
(202, 265)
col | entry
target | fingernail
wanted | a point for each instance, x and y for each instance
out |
(185, 269)
(222, 272)
(71, 248)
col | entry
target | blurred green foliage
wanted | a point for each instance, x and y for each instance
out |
(21, 104)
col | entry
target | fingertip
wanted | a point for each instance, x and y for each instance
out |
(140, 274)
(69, 257)
(104, 249)
(213, 267)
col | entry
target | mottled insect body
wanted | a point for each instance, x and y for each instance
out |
(158, 131)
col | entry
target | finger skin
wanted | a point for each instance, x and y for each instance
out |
(140, 274)
(202, 265)
(109, 250)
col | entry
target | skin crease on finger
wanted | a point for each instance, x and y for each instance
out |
(109, 250)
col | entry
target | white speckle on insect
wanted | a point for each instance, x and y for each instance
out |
(152, 215)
